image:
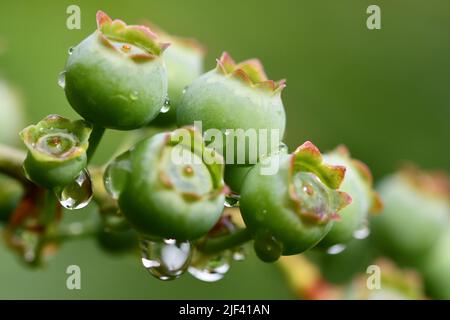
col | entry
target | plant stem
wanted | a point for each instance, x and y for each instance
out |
(11, 160)
(49, 210)
(229, 241)
(94, 140)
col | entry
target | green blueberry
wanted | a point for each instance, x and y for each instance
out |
(174, 187)
(56, 150)
(116, 78)
(436, 268)
(184, 60)
(11, 192)
(236, 97)
(235, 176)
(416, 214)
(11, 114)
(358, 184)
(294, 206)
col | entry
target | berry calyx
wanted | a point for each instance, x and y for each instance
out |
(358, 184)
(174, 188)
(237, 99)
(297, 205)
(56, 150)
(116, 78)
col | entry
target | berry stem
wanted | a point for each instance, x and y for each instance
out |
(229, 241)
(94, 140)
(11, 160)
(50, 206)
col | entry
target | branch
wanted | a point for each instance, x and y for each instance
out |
(11, 160)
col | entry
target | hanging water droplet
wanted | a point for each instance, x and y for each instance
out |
(134, 95)
(166, 106)
(336, 249)
(70, 51)
(62, 79)
(239, 254)
(185, 89)
(232, 200)
(210, 268)
(166, 259)
(116, 174)
(77, 194)
(283, 148)
(362, 232)
(30, 247)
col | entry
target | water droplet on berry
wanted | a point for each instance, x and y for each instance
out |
(134, 95)
(283, 148)
(336, 249)
(165, 259)
(62, 79)
(210, 268)
(77, 194)
(361, 233)
(267, 247)
(239, 254)
(166, 106)
(70, 51)
(116, 173)
(232, 200)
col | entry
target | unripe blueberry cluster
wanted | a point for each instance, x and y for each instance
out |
(122, 77)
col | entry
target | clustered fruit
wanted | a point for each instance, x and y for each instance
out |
(196, 214)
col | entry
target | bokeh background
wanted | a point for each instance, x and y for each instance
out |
(383, 93)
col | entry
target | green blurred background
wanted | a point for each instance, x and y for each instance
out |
(384, 93)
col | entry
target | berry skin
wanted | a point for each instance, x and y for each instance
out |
(116, 77)
(235, 96)
(184, 60)
(180, 199)
(235, 176)
(436, 268)
(56, 150)
(358, 184)
(416, 214)
(296, 206)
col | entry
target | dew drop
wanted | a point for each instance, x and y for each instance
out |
(336, 249)
(184, 90)
(239, 254)
(362, 232)
(116, 173)
(210, 268)
(77, 194)
(166, 106)
(232, 200)
(30, 246)
(267, 247)
(134, 95)
(165, 259)
(283, 148)
(70, 51)
(62, 79)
